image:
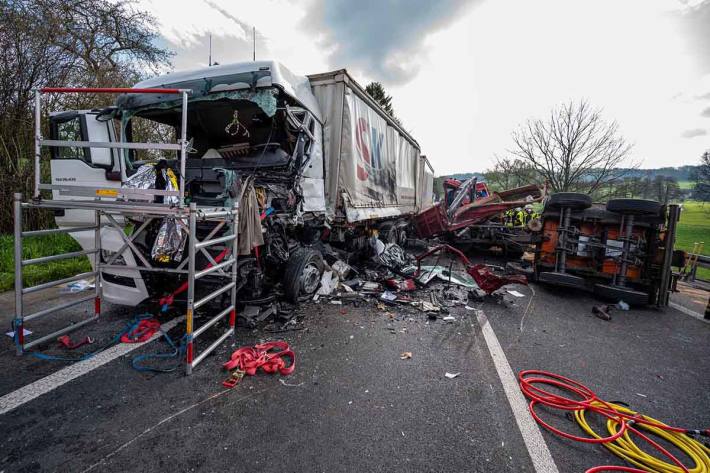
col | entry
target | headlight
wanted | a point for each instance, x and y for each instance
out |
(106, 256)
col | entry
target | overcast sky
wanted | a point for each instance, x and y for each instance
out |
(465, 73)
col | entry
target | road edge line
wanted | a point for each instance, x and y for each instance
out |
(534, 442)
(42, 386)
(689, 312)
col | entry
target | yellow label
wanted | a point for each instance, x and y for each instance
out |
(107, 193)
(189, 321)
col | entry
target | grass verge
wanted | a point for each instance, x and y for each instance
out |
(35, 247)
(694, 226)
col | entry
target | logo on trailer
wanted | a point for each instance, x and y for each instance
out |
(368, 142)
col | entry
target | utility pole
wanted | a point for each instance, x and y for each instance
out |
(210, 55)
(253, 32)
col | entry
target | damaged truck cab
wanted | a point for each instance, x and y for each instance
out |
(311, 160)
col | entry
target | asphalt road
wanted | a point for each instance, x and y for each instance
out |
(352, 404)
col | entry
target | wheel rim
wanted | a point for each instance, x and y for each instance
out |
(402, 237)
(310, 277)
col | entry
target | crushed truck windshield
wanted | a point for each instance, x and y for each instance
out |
(242, 128)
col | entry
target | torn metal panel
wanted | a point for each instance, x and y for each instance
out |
(313, 195)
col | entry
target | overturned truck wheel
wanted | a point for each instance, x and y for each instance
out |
(634, 206)
(303, 272)
(572, 200)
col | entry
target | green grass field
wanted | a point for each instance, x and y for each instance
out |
(36, 247)
(694, 226)
(686, 184)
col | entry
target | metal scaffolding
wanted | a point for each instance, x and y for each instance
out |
(105, 216)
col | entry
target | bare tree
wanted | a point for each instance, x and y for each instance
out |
(574, 149)
(509, 173)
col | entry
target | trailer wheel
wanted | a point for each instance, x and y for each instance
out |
(303, 272)
(389, 233)
(572, 200)
(620, 293)
(402, 237)
(634, 206)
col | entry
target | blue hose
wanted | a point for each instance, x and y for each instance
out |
(132, 325)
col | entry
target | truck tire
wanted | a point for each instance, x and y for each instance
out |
(303, 272)
(634, 206)
(573, 200)
(389, 233)
(402, 237)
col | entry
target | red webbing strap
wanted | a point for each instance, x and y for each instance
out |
(142, 332)
(271, 357)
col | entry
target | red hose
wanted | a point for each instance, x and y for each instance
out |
(578, 397)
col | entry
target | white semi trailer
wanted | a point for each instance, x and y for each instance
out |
(312, 159)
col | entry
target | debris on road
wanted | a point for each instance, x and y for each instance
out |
(407, 355)
(77, 286)
(451, 375)
(602, 312)
(622, 305)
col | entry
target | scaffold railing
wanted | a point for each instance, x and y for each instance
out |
(106, 208)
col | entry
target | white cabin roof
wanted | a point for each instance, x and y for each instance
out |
(294, 85)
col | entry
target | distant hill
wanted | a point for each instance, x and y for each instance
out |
(682, 173)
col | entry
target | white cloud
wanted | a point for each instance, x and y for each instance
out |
(493, 67)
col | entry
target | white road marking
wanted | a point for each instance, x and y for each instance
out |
(42, 386)
(537, 448)
(689, 312)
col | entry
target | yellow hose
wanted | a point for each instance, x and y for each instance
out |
(625, 448)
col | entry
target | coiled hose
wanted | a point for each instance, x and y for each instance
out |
(621, 422)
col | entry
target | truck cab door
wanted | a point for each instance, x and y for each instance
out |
(76, 166)
(95, 168)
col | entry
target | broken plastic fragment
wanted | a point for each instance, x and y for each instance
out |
(451, 375)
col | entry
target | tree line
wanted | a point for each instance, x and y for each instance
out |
(72, 43)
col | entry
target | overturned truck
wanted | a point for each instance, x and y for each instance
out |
(311, 160)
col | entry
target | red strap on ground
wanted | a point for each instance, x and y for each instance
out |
(67, 343)
(270, 357)
(143, 331)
